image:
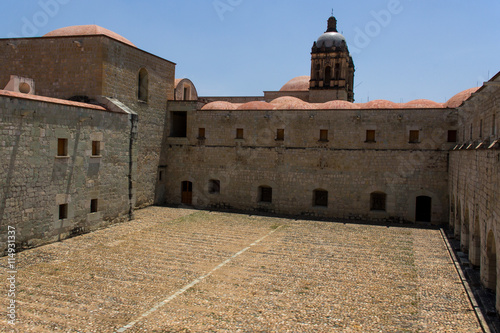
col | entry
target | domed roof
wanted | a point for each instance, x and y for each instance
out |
(459, 98)
(87, 30)
(299, 83)
(291, 103)
(379, 104)
(338, 104)
(257, 105)
(422, 104)
(219, 105)
(329, 39)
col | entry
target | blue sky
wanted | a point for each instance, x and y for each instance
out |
(402, 49)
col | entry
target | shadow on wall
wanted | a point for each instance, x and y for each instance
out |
(6, 188)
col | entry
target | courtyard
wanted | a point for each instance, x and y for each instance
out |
(182, 270)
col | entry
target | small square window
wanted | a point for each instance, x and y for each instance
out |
(62, 147)
(280, 135)
(96, 148)
(201, 133)
(323, 135)
(239, 133)
(452, 136)
(370, 136)
(63, 211)
(414, 136)
(320, 198)
(93, 205)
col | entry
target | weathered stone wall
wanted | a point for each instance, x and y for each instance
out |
(349, 168)
(122, 64)
(93, 66)
(474, 183)
(35, 181)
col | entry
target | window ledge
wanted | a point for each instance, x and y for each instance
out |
(95, 156)
(62, 157)
(323, 141)
(142, 102)
(414, 142)
(370, 141)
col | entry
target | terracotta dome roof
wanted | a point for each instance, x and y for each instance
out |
(299, 83)
(379, 104)
(338, 105)
(87, 30)
(422, 104)
(291, 103)
(257, 105)
(219, 105)
(459, 98)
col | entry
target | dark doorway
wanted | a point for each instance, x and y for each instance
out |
(187, 193)
(423, 209)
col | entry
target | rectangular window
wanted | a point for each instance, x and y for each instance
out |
(266, 194)
(493, 125)
(160, 176)
(414, 136)
(214, 186)
(452, 136)
(63, 211)
(280, 135)
(93, 205)
(377, 201)
(96, 148)
(178, 127)
(321, 198)
(239, 133)
(62, 147)
(201, 133)
(370, 136)
(323, 135)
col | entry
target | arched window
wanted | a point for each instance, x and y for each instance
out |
(328, 76)
(336, 74)
(143, 85)
(320, 198)
(265, 194)
(318, 70)
(378, 201)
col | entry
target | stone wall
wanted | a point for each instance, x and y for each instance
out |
(93, 66)
(346, 166)
(35, 181)
(474, 183)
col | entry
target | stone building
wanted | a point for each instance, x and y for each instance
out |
(92, 127)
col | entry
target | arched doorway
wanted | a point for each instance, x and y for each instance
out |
(423, 209)
(187, 193)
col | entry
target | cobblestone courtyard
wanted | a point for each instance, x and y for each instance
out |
(178, 270)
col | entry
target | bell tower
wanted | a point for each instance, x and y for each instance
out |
(332, 68)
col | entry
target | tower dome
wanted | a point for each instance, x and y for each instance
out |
(331, 37)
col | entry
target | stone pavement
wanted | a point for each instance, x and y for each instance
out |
(180, 270)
